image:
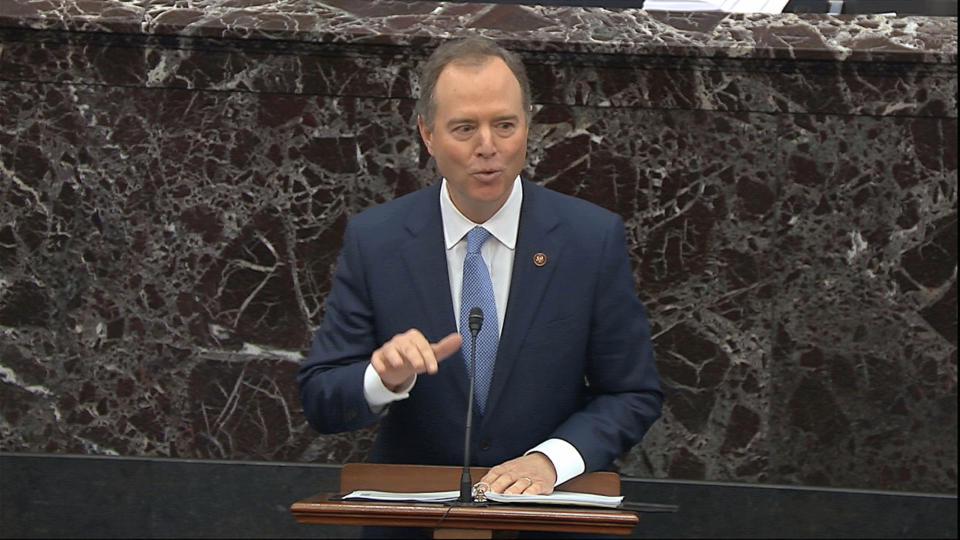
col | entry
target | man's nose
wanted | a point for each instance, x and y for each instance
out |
(486, 145)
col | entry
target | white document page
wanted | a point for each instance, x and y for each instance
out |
(422, 496)
(726, 6)
(557, 497)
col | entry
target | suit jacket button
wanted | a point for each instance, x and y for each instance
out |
(485, 444)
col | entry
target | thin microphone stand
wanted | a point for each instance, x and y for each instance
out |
(466, 484)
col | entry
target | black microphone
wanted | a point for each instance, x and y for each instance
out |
(475, 322)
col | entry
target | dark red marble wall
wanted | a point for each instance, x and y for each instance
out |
(176, 179)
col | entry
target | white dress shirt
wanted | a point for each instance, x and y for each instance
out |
(498, 254)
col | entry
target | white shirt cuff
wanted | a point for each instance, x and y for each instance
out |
(565, 457)
(379, 396)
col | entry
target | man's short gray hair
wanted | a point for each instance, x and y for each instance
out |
(472, 50)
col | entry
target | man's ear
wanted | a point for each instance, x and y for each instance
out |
(426, 134)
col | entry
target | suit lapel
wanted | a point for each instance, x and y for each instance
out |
(528, 284)
(425, 259)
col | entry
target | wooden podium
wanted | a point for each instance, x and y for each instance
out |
(451, 521)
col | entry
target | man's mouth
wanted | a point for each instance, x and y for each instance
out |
(486, 175)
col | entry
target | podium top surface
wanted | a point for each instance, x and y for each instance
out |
(328, 508)
(413, 478)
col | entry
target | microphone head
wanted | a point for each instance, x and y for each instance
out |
(475, 320)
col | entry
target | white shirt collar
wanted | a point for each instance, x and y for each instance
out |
(503, 225)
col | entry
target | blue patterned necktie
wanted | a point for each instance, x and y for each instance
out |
(478, 292)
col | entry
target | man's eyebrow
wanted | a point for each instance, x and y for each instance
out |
(464, 120)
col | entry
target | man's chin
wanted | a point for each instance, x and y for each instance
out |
(492, 193)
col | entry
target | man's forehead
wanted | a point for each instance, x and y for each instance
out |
(460, 75)
(472, 60)
(458, 90)
(474, 64)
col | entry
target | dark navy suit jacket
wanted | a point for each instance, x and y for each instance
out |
(575, 359)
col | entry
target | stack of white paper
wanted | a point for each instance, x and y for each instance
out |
(422, 496)
(726, 6)
(557, 497)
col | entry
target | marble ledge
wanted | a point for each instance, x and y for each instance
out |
(925, 40)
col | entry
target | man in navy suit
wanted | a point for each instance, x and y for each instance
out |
(574, 383)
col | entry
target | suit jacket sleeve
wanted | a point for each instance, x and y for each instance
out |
(623, 392)
(331, 378)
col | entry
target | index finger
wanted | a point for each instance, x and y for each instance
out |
(420, 354)
(491, 477)
(447, 346)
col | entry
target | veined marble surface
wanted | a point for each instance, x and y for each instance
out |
(176, 176)
(564, 29)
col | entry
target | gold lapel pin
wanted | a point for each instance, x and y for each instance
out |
(540, 259)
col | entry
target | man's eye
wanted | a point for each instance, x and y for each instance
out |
(463, 129)
(506, 126)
